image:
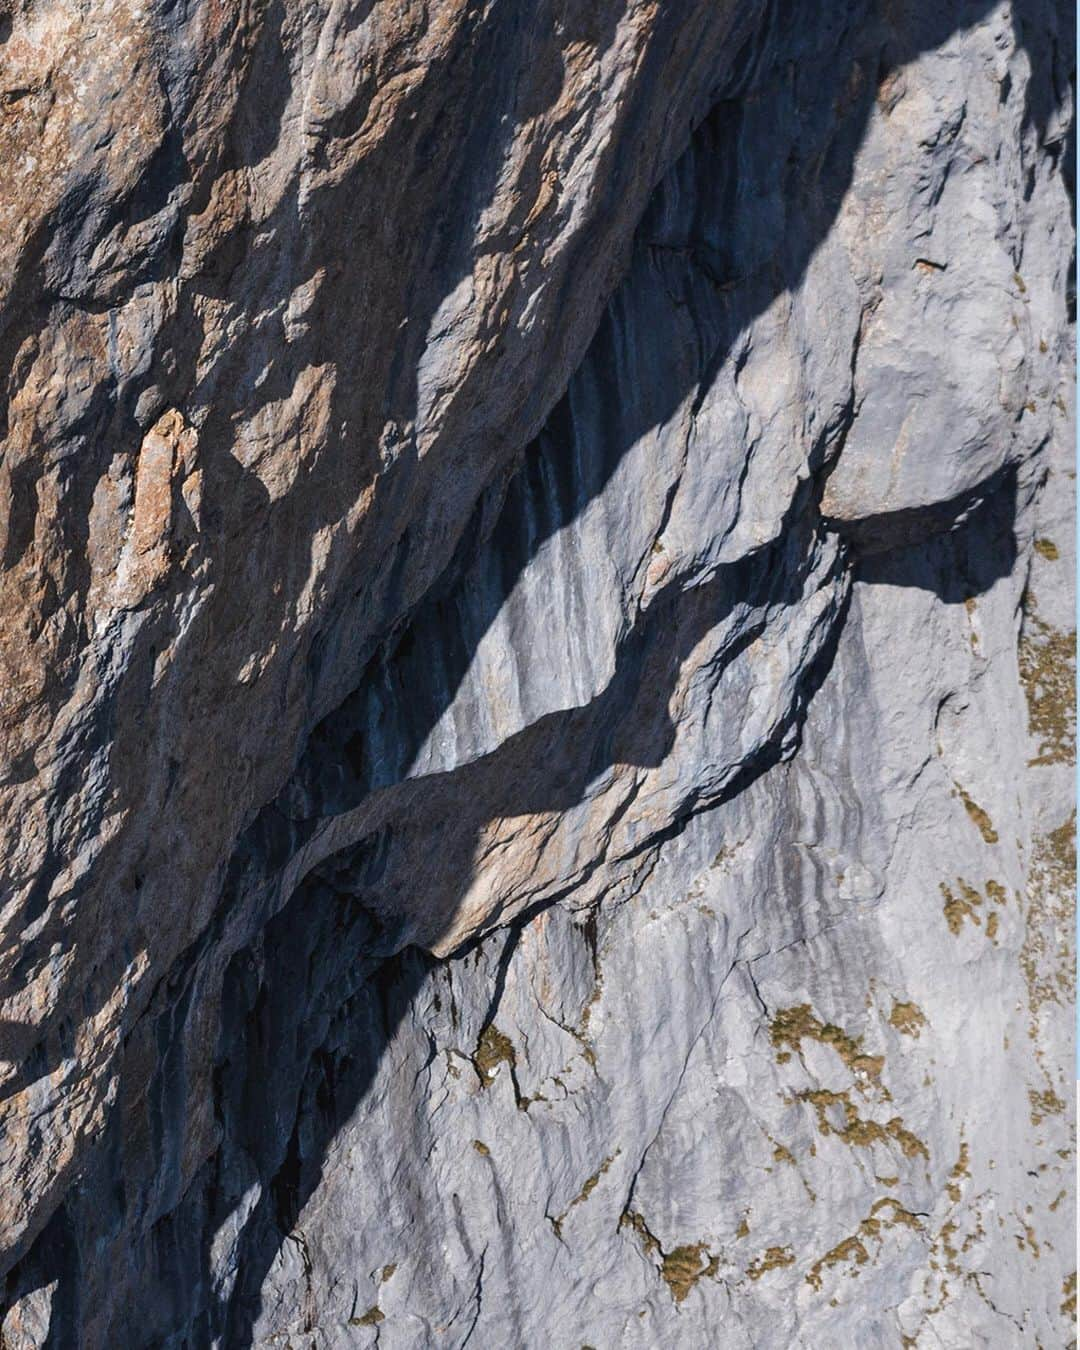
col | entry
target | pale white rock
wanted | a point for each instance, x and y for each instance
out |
(538, 763)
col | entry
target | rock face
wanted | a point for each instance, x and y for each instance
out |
(537, 654)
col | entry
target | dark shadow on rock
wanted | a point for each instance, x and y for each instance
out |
(312, 998)
(548, 766)
(454, 157)
(957, 549)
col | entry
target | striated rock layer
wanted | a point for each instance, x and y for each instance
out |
(537, 655)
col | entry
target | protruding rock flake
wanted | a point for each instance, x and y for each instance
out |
(537, 674)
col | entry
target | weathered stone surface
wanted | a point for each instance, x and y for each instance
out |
(538, 630)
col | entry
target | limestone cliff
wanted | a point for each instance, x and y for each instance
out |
(536, 673)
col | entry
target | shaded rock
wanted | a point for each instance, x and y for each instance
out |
(538, 562)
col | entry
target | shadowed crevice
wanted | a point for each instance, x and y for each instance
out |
(311, 1000)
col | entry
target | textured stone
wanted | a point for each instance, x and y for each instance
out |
(537, 591)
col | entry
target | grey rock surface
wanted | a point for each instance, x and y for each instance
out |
(538, 605)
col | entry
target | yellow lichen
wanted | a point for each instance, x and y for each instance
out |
(907, 1018)
(492, 1049)
(772, 1258)
(958, 1173)
(1046, 958)
(1044, 1104)
(587, 1188)
(591, 1183)
(962, 905)
(791, 1026)
(979, 816)
(636, 1222)
(1028, 1240)
(1047, 659)
(682, 1268)
(856, 1131)
(853, 1249)
(957, 908)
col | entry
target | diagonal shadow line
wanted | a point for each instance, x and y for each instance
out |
(353, 946)
(629, 700)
